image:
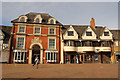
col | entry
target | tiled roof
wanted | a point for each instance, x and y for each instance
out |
(45, 17)
(80, 29)
(116, 34)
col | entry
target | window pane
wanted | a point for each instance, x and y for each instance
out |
(22, 55)
(20, 42)
(18, 55)
(52, 21)
(21, 29)
(48, 56)
(106, 33)
(15, 55)
(37, 20)
(51, 31)
(51, 56)
(88, 33)
(51, 43)
(37, 30)
(70, 33)
(22, 19)
(56, 56)
(25, 56)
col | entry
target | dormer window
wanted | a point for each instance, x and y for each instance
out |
(37, 20)
(88, 33)
(106, 33)
(70, 33)
(52, 21)
(22, 19)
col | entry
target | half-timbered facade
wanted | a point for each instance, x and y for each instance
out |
(86, 43)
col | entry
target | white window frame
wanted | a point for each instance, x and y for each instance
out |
(16, 53)
(37, 33)
(21, 26)
(23, 42)
(51, 38)
(54, 31)
(54, 59)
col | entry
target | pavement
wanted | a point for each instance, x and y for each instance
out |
(60, 71)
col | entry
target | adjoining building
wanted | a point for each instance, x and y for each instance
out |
(4, 43)
(115, 57)
(86, 43)
(35, 34)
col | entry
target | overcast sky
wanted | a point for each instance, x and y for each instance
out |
(80, 13)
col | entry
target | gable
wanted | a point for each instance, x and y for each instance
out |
(103, 37)
(73, 37)
(89, 29)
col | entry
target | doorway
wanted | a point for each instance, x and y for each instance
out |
(35, 53)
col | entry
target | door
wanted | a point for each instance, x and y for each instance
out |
(35, 53)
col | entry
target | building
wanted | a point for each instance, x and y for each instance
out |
(35, 34)
(4, 43)
(86, 43)
(115, 57)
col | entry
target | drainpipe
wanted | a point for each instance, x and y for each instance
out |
(59, 43)
(11, 42)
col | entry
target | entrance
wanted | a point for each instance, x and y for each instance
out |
(35, 53)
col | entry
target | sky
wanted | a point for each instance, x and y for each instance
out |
(75, 13)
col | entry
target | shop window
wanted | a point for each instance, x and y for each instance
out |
(19, 56)
(51, 56)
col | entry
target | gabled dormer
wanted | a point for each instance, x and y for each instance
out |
(89, 34)
(22, 18)
(38, 19)
(106, 34)
(70, 34)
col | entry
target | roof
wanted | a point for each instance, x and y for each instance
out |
(80, 29)
(7, 31)
(116, 34)
(31, 16)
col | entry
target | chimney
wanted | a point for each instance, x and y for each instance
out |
(92, 23)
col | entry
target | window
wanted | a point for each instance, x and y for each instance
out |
(22, 19)
(37, 30)
(51, 43)
(106, 33)
(37, 20)
(106, 44)
(88, 33)
(78, 43)
(70, 33)
(21, 29)
(116, 43)
(51, 56)
(52, 21)
(88, 43)
(69, 43)
(20, 42)
(51, 31)
(19, 56)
